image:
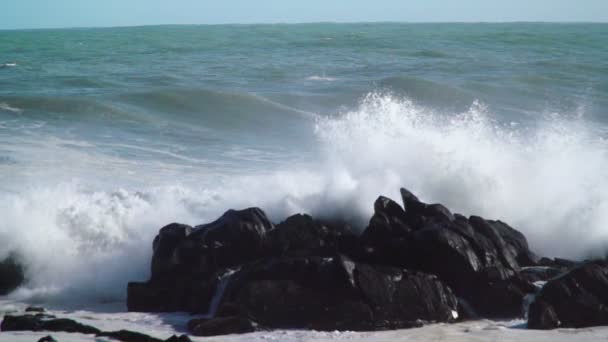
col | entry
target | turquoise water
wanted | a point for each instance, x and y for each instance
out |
(108, 134)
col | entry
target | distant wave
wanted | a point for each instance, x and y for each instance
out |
(6, 107)
(321, 78)
(429, 93)
(8, 65)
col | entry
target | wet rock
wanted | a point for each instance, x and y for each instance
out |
(237, 236)
(35, 309)
(337, 293)
(128, 336)
(222, 326)
(477, 258)
(301, 235)
(47, 338)
(576, 299)
(389, 222)
(182, 338)
(164, 260)
(45, 323)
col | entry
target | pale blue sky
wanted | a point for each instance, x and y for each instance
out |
(87, 13)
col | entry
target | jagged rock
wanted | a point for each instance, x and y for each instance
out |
(222, 326)
(128, 336)
(164, 260)
(35, 309)
(12, 274)
(406, 267)
(477, 258)
(337, 293)
(237, 236)
(576, 299)
(301, 235)
(45, 323)
(388, 222)
(186, 259)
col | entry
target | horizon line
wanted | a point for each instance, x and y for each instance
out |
(304, 23)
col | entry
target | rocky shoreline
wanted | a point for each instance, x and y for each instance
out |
(414, 264)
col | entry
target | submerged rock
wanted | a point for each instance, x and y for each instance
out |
(576, 299)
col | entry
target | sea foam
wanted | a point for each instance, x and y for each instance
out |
(547, 179)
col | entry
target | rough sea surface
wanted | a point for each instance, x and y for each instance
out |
(106, 135)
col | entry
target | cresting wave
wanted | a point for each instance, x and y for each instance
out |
(549, 180)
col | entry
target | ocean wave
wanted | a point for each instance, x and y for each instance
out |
(320, 78)
(6, 107)
(8, 65)
(429, 93)
(548, 180)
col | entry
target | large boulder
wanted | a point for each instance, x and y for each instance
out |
(576, 299)
(186, 260)
(329, 293)
(388, 222)
(479, 259)
(301, 235)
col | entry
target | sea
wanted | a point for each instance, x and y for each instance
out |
(108, 134)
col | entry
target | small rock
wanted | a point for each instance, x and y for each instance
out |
(47, 338)
(223, 326)
(128, 336)
(182, 338)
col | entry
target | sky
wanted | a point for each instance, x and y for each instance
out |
(16, 14)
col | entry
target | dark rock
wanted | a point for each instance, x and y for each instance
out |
(44, 323)
(477, 258)
(12, 274)
(301, 235)
(337, 293)
(516, 242)
(182, 338)
(222, 326)
(164, 245)
(237, 236)
(576, 299)
(406, 267)
(34, 309)
(541, 315)
(47, 338)
(389, 222)
(128, 336)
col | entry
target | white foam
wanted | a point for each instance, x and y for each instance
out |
(321, 78)
(6, 107)
(85, 244)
